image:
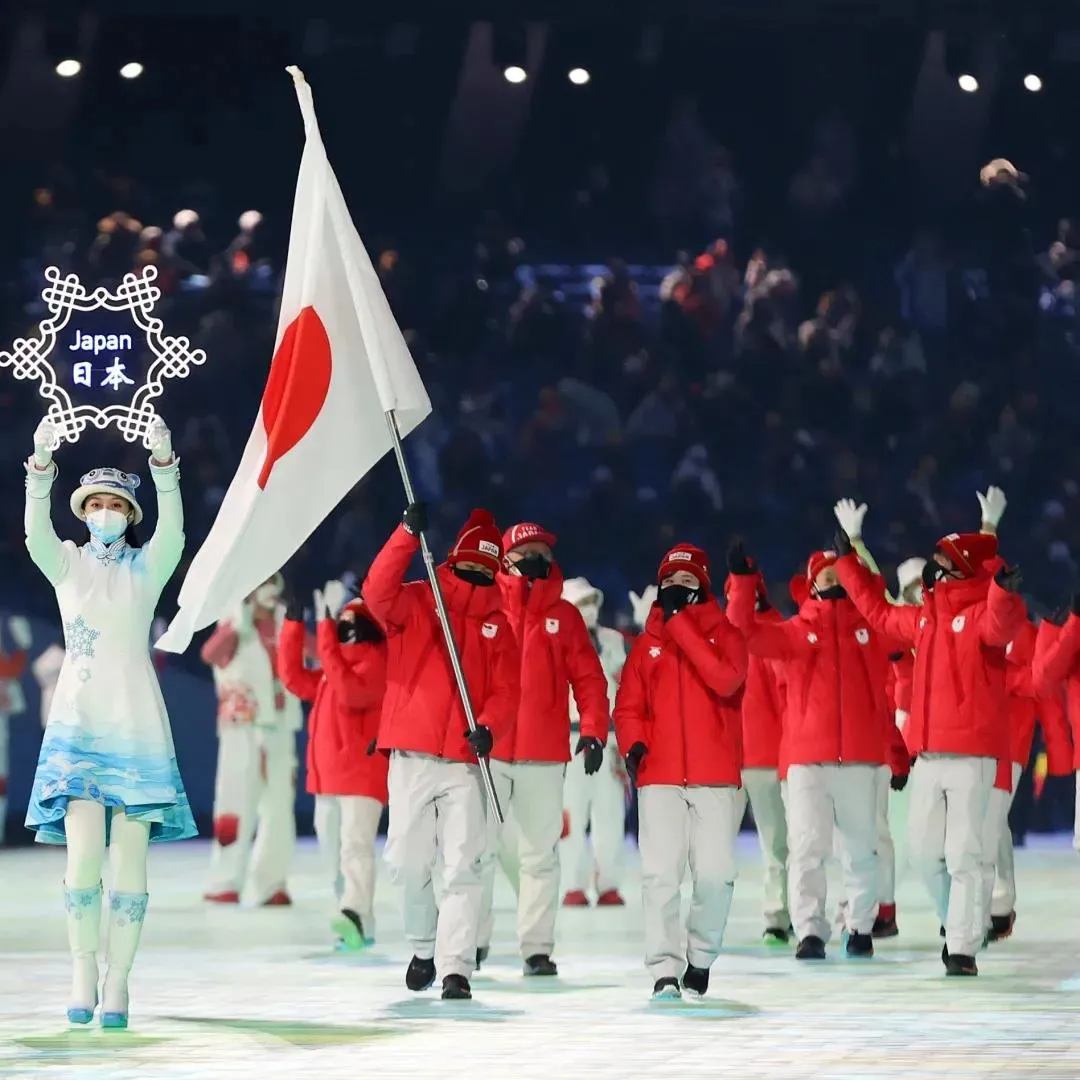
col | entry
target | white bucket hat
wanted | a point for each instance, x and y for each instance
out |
(106, 482)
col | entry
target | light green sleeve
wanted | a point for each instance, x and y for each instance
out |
(163, 550)
(864, 553)
(49, 553)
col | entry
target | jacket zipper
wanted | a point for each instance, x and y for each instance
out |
(682, 720)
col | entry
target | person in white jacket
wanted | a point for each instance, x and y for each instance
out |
(12, 699)
(596, 803)
(46, 669)
(255, 787)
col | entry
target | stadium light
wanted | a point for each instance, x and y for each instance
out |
(968, 83)
(1032, 83)
(132, 70)
(579, 76)
(515, 74)
(68, 69)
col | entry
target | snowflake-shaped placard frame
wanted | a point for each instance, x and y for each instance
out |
(137, 294)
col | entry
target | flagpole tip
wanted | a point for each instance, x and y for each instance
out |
(296, 73)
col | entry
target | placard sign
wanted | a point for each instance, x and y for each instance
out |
(96, 367)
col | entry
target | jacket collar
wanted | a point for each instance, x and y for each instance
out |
(697, 613)
(519, 595)
(473, 601)
(107, 553)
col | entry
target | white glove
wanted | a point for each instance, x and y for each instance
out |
(335, 595)
(850, 516)
(46, 440)
(159, 441)
(19, 628)
(992, 505)
(320, 604)
(642, 604)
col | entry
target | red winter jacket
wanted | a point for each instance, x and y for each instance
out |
(347, 699)
(958, 701)
(422, 710)
(680, 694)
(557, 654)
(836, 669)
(1055, 669)
(763, 707)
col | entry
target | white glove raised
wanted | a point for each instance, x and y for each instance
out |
(992, 505)
(319, 600)
(159, 441)
(335, 595)
(19, 628)
(642, 604)
(46, 440)
(849, 515)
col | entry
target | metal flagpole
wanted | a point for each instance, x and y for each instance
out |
(444, 618)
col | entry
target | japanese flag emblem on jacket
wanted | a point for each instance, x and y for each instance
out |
(862, 635)
(489, 630)
(551, 626)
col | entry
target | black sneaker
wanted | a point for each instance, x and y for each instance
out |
(540, 964)
(421, 974)
(1001, 926)
(885, 928)
(456, 988)
(696, 980)
(481, 955)
(775, 936)
(810, 948)
(955, 964)
(666, 989)
(860, 946)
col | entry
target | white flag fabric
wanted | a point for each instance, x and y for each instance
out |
(340, 364)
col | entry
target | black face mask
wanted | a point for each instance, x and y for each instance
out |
(834, 592)
(673, 598)
(358, 630)
(473, 577)
(932, 573)
(534, 567)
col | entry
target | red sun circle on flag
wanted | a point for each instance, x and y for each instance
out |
(296, 388)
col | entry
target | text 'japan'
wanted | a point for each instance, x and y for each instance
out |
(115, 374)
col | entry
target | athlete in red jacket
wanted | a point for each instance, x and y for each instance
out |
(959, 723)
(838, 715)
(762, 728)
(1056, 672)
(436, 792)
(346, 776)
(528, 762)
(677, 718)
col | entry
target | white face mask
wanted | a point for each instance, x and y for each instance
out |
(107, 525)
(590, 612)
(266, 596)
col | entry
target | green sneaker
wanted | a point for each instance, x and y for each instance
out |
(350, 930)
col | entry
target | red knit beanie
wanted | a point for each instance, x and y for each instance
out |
(817, 562)
(968, 551)
(686, 557)
(479, 541)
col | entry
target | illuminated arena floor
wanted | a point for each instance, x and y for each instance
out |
(260, 993)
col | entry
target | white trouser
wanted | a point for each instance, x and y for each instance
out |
(437, 813)
(598, 803)
(764, 790)
(532, 792)
(678, 829)
(886, 853)
(819, 799)
(4, 736)
(346, 827)
(950, 797)
(999, 876)
(255, 786)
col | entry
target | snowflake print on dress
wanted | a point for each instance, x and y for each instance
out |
(79, 639)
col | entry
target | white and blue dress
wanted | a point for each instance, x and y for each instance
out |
(107, 737)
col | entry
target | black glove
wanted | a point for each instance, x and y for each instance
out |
(294, 609)
(593, 749)
(1010, 578)
(633, 760)
(842, 543)
(930, 574)
(372, 746)
(738, 562)
(898, 783)
(415, 518)
(480, 740)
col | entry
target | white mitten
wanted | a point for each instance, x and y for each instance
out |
(46, 440)
(159, 441)
(335, 596)
(992, 505)
(319, 601)
(642, 604)
(19, 628)
(850, 516)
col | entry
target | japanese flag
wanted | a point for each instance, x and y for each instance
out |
(340, 365)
